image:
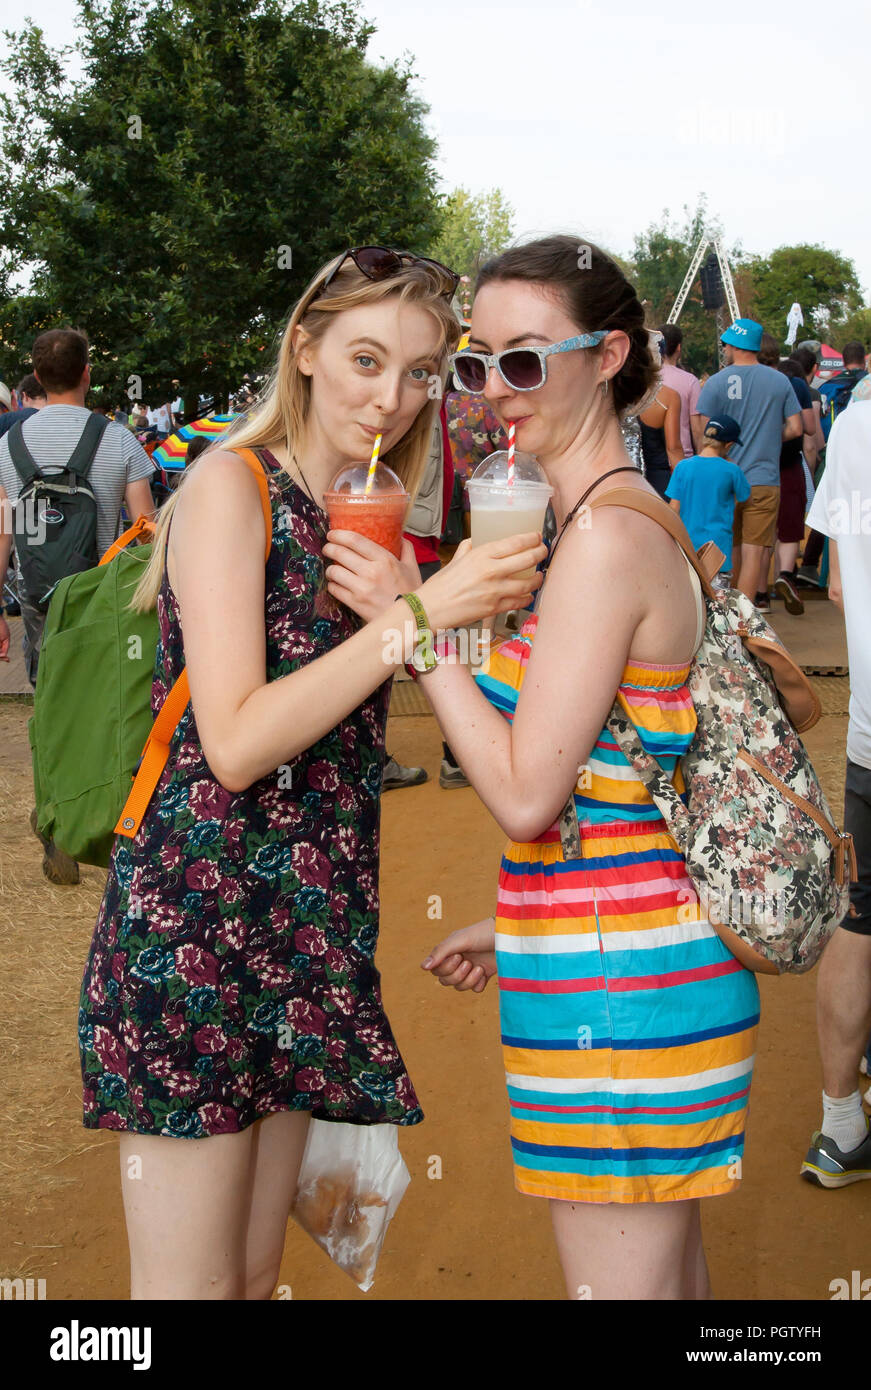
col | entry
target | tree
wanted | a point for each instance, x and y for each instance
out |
(176, 199)
(855, 328)
(823, 282)
(474, 227)
(661, 259)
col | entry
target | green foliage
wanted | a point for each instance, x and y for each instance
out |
(152, 197)
(661, 258)
(823, 282)
(855, 328)
(474, 227)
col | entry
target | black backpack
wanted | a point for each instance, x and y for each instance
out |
(55, 516)
(836, 394)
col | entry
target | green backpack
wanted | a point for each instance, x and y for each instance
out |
(92, 708)
(96, 750)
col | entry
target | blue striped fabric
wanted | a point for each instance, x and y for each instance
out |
(628, 1028)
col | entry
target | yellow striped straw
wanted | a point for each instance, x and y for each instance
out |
(373, 464)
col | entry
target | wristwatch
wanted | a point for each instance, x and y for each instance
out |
(423, 658)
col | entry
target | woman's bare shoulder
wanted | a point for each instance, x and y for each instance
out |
(609, 540)
(218, 484)
(218, 505)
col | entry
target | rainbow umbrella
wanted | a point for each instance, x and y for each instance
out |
(173, 451)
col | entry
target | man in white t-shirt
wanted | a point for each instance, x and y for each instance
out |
(119, 473)
(840, 1151)
(682, 381)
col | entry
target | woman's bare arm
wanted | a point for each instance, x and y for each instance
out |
(525, 771)
(249, 727)
(673, 445)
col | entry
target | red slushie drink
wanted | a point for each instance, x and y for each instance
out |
(378, 514)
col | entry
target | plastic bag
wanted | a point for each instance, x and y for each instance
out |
(351, 1180)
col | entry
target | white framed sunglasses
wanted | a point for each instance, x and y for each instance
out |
(523, 369)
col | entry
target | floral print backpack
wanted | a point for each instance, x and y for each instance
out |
(769, 865)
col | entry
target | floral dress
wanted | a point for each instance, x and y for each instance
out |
(473, 432)
(232, 969)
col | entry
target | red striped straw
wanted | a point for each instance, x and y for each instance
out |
(511, 454)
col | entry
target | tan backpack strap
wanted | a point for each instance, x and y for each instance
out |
(637, 501)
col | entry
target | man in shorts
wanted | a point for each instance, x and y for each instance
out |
(840, 1151)
(764, 404)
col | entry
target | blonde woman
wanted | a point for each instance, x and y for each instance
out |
(231, 990)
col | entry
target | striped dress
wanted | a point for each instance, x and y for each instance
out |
(628, 1028)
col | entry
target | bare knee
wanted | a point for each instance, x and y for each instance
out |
(186, 1285)
(260, 1282)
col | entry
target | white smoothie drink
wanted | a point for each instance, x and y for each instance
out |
(500, 509)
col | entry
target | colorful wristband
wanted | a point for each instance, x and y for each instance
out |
(423, 658)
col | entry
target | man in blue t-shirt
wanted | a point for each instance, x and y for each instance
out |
(704, 489)
(764, 404)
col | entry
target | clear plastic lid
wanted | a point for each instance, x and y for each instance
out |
(494, 470)
(352, 480)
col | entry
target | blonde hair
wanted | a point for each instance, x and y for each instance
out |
(281, 410)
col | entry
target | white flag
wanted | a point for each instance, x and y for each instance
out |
(794, 321)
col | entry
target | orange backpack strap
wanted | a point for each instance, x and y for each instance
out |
(249, 457)
(141, 527)
(156, 750)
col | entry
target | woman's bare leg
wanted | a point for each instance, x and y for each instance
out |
(206, 1218)
(697, 1265)
(279, 1143)
(648, 1250)
(186, 1202)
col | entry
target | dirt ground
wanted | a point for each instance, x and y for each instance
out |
(467, 1234)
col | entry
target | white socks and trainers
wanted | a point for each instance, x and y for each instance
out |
(844, 1121)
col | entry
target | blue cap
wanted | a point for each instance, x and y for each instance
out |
(725, 428)
(744, 333)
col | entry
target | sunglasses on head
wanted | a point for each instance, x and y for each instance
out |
(380, 263)
(523, 369)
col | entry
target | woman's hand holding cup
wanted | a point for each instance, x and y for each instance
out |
(366, 577)
(481, 580)
(478, 582)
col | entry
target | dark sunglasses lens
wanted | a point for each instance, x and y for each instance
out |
(522, 369)
(471, 373)
(377, 262)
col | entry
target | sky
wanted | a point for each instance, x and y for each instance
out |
(594, 117)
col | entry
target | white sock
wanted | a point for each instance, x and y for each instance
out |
(844, 1120)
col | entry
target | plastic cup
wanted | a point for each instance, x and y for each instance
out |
(378, 514)
(500, 509)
